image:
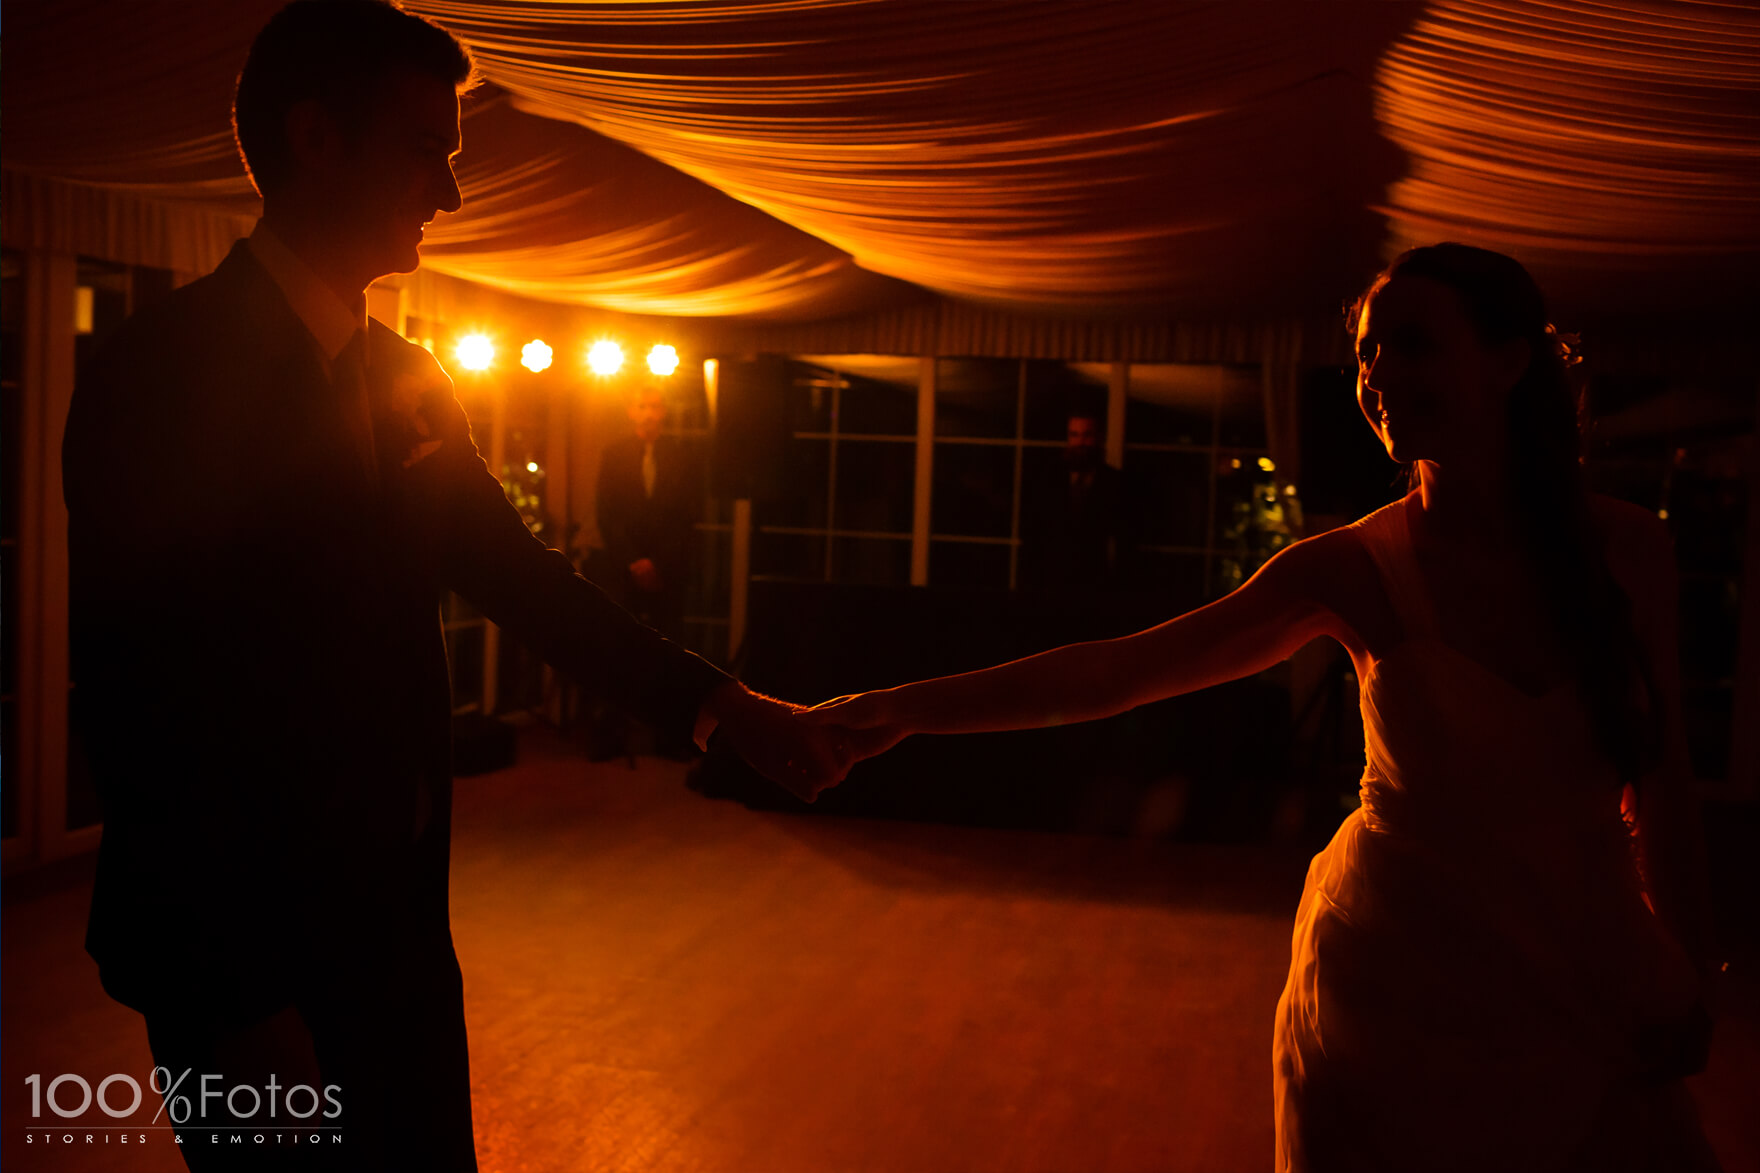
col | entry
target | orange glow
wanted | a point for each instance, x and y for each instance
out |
(663, 359)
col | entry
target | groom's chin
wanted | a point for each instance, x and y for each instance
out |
(400, 251)
(407, 260)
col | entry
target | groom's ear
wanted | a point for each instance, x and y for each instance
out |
(314, 140)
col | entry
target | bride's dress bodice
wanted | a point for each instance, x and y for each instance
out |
(1458, 755)
(1490, 827)
(1474, 962)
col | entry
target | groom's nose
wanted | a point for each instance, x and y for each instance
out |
(446, 194)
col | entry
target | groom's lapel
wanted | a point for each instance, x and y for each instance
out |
(294, 386)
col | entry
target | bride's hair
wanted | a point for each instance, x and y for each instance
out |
(1565, 550)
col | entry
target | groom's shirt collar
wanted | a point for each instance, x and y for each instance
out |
(331, 321)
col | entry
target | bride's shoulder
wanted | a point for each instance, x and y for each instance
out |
(1336, 570)
(1336, 555)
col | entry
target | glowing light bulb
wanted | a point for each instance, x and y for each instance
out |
(1265, 464)
(663, 359)
(535, 356)
(605, 357)
(475, 352)
(531, 466)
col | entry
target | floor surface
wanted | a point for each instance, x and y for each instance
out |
(660, 982)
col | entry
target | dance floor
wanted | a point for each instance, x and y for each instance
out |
(657, 981)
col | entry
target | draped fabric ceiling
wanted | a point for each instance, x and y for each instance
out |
(793, 160)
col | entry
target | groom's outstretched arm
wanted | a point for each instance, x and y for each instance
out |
(489, 556)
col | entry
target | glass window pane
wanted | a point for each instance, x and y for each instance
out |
(1171, 403)
(687, 405)
(806, 483)
(709, 593)
(1045, 475)
(1242, 418)
(708, 640)
(1056, 390)
(1179, 578)
(879, 392)
(976, 396)
(871, 561)
(968, 564)
(102, 306)
(1173, 495)
(973, 491)
(523, 474)
(876, 485)
(792, 556)
(717, 510)
(424, 332)
(1252, 523)
(809, 397)
(1073, 533)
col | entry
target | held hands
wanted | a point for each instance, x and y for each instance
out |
(801, 758)
(800, 749)
(867, 720)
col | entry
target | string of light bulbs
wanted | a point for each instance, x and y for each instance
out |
(605, 357)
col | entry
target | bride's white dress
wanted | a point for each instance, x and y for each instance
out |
(1473, 957)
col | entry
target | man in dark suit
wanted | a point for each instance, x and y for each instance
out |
(649, 493)
(267, 494)
(1078, 526)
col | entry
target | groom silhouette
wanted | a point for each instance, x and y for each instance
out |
(267, 494)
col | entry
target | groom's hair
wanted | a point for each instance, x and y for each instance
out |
(337, 52)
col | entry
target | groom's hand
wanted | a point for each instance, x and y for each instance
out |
(801, 758)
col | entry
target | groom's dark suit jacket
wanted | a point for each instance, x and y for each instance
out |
(260, 675)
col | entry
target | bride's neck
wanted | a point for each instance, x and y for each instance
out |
(1471, 508)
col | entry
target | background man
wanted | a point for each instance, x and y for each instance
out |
(649, 493)
(1077, 527)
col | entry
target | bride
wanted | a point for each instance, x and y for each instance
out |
(1500, 960)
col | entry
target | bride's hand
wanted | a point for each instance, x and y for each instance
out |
(866, 720)
(858, 710)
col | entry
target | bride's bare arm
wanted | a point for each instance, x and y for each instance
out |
(1264, 621)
